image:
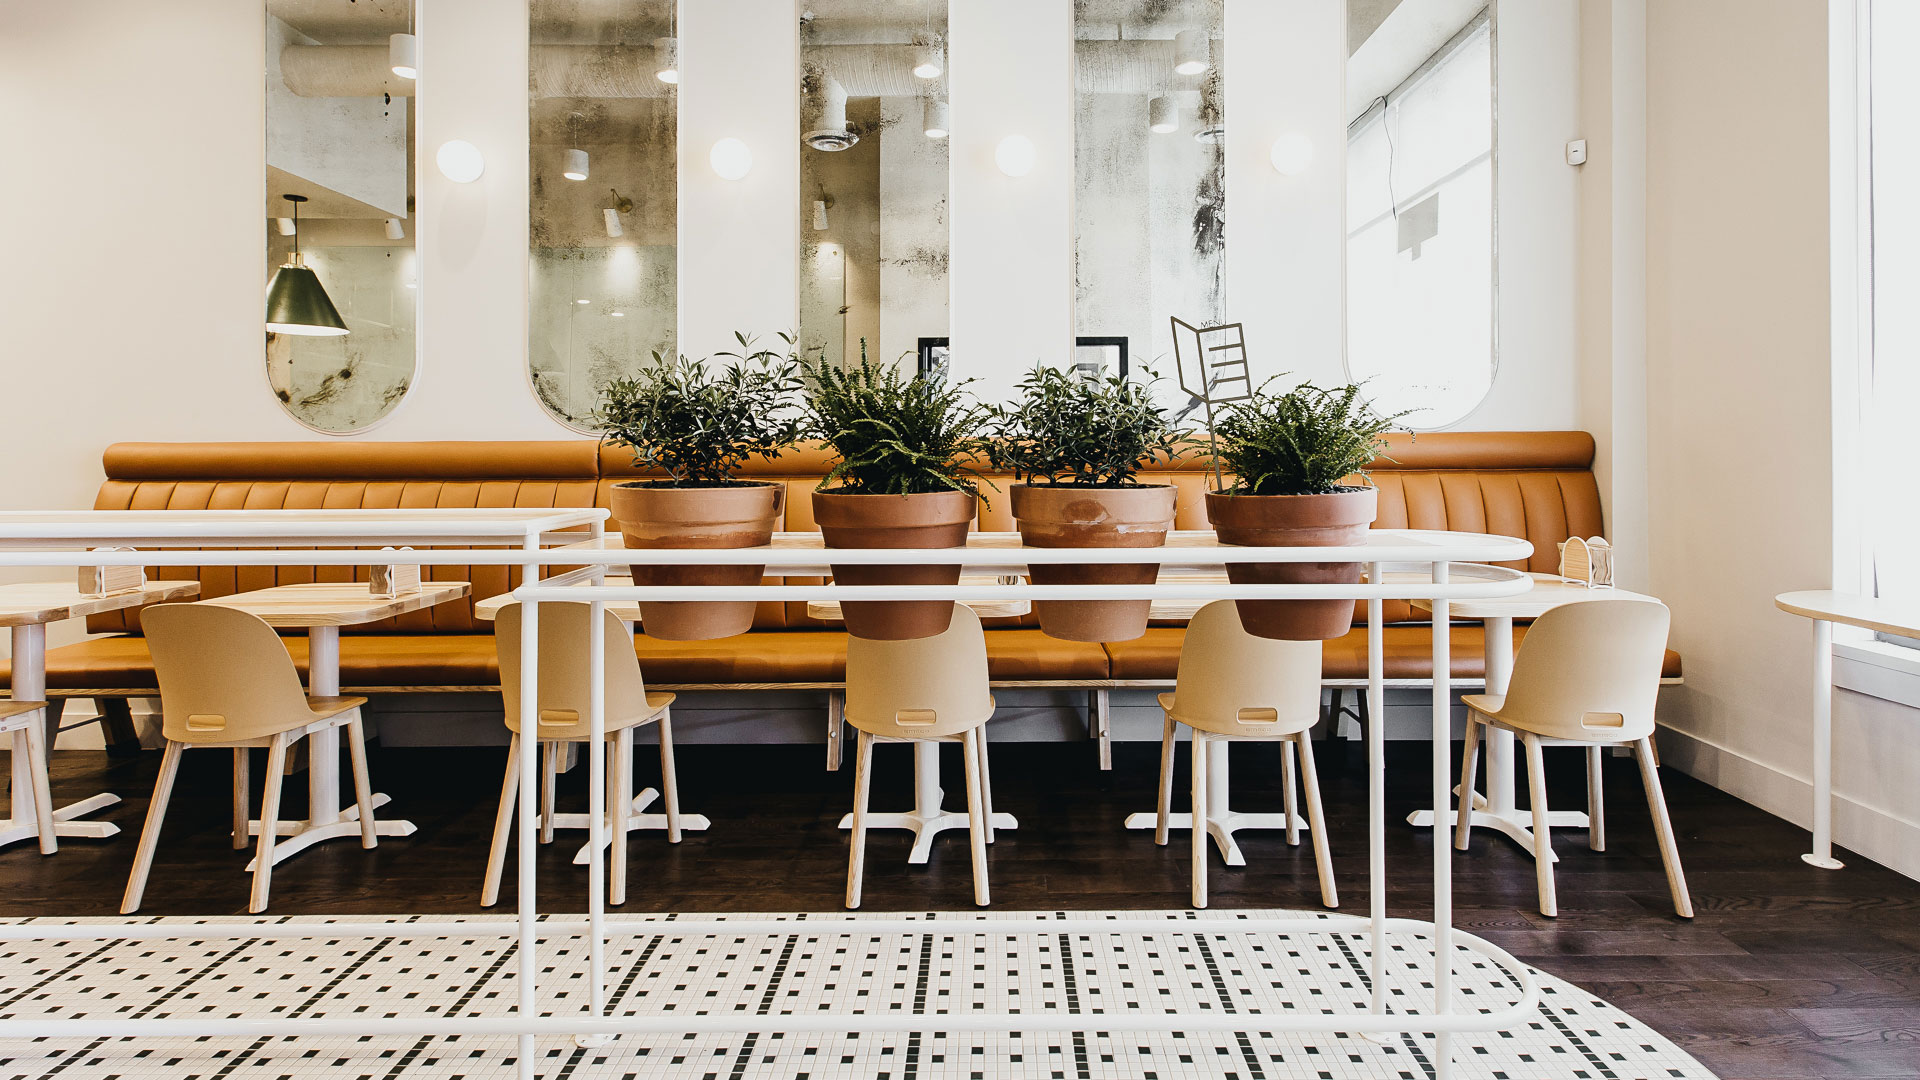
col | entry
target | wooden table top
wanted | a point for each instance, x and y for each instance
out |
(1873, 613)
(1549, 591)
(27, 602)
(825, 610)
(336, 603)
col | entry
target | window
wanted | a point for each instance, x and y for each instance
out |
(1420, 270)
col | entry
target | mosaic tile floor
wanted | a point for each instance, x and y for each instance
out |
(1575, 1035)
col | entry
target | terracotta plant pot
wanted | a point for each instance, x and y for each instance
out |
(934, 520)
(1330, 520)
(653, 515)
(1074, 515)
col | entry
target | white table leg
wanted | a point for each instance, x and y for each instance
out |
(1222, 822)
(325, 820)
(1822, 853)
(1498, 811)
(928, 818)
(30, 684)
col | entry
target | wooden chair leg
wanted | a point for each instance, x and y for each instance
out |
(1663, 827)
(862, 783)
(269, 823)
(620, 795)
(31, 740)
(976, 824)
(1199, 858)
(549, 782)
(986, 783)
(1596, 802)
(362, 783)
(502, 826)
(150, 833)
(1542, 841)
(1289, 800)
(1316, 822)
(1166, 783)
(669, 783)
(1469, 770)
(242, 792)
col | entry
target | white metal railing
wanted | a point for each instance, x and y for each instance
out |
(587, 584)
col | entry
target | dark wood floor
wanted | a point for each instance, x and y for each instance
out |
(1787, 971)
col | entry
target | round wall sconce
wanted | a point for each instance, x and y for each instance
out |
(1014, 155)
(403, 55)
(460, 161)
(731, 159)
(576, 167)
(1292, 153)
(935, 118)
(1192, 52)
(1162, 115)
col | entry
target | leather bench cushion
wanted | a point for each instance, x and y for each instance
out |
(1407, 653)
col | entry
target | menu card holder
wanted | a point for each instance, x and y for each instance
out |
(390, 580)
(1588, 562)
(101, 580)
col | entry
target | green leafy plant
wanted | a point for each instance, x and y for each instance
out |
(1301, 442)
(893, 434)
(698, 424)
(1068, 428)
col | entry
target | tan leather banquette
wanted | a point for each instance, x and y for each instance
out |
(1538, 485)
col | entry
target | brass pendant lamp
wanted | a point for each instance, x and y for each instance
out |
(296, 302)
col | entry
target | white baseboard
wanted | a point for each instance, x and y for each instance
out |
(1878, 834)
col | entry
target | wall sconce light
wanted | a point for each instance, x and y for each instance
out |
(820, 206)
(1292, 153)
(935, 118)
(1191, 52)
(666, 57)
(1162, 115)
(612, 218)
(731, 159)
(460, 161)
(395, 230)
(403, 55)
(576, 166)
(1014, 155)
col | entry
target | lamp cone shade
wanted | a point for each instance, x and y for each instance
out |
(296, 304)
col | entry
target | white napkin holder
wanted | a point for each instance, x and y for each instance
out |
(1587, 562)
(101, 580)
(390, 580)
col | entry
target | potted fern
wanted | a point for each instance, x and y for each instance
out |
(698, 425)
(1290, 453)
(1076, 445)
(902, 478)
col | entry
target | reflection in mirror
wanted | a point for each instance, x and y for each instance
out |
(873, 179)
(1420, 226)
(1149, 180)
(602, 292)
(340, 140)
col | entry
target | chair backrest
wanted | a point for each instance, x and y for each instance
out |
(1590, 671)
(225, 675)
(563, 669)
(1232, 683)
(923, 688)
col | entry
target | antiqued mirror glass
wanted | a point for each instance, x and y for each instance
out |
(602, 292)
(340, 349)
(873, 179)
(1421, 169)
(1149, 197)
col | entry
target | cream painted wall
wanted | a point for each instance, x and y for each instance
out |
(1739, 404)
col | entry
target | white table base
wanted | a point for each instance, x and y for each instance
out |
(928, 818)
(30, 684)
(1822, 853)
(1222, 822)
(325, 819)
(636, 821)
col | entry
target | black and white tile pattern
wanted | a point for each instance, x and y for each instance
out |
(1574, 1036)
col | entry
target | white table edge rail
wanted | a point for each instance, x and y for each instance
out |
(1436, 550)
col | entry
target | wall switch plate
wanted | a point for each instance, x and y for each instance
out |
(1577, 152)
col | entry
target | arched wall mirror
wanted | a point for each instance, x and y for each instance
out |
(343, 274)
(1149, 195)
(1421, 172)
(602, 291)
(873, 180)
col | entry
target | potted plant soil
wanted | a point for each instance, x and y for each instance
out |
(1289, 454)
(1076, 444)
(905, 447)
(698, 425)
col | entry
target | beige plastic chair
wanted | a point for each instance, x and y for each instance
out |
(1234, 686)
(25, 719)
(926, 689)
(226, 681)
(1586, 675)
(563, 719)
